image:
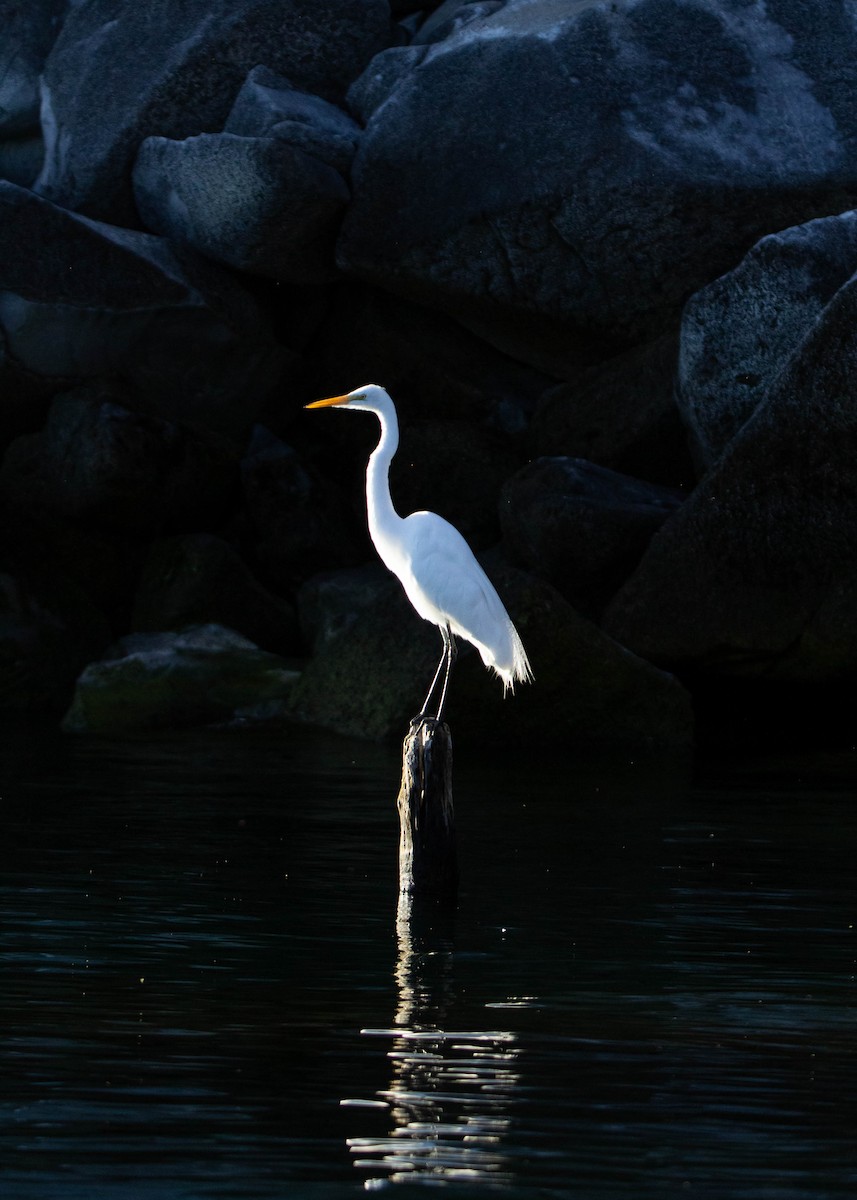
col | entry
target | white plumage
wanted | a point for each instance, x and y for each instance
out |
(433, 562)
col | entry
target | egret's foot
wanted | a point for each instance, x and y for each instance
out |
(423, 719)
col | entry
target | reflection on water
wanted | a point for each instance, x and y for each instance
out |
(451, 1090)
(195, 930)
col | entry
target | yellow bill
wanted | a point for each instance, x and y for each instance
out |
(327, 403)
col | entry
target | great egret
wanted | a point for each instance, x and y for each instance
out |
(434, 564)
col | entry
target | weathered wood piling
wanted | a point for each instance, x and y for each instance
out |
(428, 862)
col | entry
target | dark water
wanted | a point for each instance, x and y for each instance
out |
(649, 988)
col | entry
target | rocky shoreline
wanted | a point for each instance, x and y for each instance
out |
(602, 256)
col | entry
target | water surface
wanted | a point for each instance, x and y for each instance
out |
(649, 987)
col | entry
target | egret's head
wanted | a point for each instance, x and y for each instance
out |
(370, 397)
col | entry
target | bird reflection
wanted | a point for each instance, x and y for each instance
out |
(451, 1089)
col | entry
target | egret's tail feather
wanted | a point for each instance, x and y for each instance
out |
(520, 670)
(508, 661)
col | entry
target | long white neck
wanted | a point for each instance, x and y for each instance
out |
(383, 518)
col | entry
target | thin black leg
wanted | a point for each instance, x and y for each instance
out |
(440, 666)
(451, 651)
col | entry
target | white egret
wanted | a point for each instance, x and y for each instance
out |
(434, 564)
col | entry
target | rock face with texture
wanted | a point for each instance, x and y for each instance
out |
(167, 680)
(370, 677)
(661, 139)
(188, 341)
(332, 601)
(156, 62)
(620, 414)
(428, 362)
(615, 238)
(199, 579)
(28, 31)
(294, 522)
(101, 464)
(757, 572)
(581, 527)
(454, 469)
(737, 332)
(267, 194)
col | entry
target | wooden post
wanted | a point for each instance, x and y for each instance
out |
(428, 863)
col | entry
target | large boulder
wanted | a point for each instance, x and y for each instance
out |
(28, 33)
(267, 194)
(737, 332)
(21, 159)
(332, 601)
(199, 579)
(620, 414)
(108, 467)
(581, 527)
(268, 105)
(664, 137)
(456, 469)
(29, 30)
(174, 71)
(167, 680)
(757, 573)
(185, 339)
(371, 671)
(294, 522)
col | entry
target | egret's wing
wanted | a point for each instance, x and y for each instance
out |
(448, 586)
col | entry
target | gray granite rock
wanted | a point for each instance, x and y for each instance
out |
(267, 194)
(268, 105)
(199, 579)
(107, 467)
(81, 300)
(428, 363)
(174, 71)
(168, 680)
(255, 204)
(756, 574)
(581, 527)
(662, 138)
(28, 32)
(21, 159)
(456, 469)
(739, 331)
(294, 521)
(621, 414)
(331, 602)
